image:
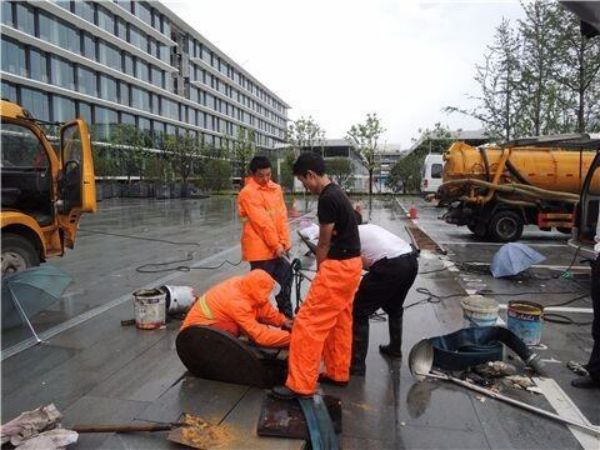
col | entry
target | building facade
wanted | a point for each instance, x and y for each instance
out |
(130, 62)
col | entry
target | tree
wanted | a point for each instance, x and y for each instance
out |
(287, 176)
(131, 144)
(364, 138)
(304, 133)
(539, 31)
(216, 171)
(244, 149)
(182, 152)
(341, 170)
(406, 173)
(579, 62)
(499, 78)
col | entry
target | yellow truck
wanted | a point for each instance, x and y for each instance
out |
(44, 190)
(496, 190)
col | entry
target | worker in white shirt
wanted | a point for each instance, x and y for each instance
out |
(392, 268)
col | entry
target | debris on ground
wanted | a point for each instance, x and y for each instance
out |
(56, 439)
(577, 368)
(519, 381)
(495, 369)
(30, 423)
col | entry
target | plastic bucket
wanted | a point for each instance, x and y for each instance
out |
(150, 308)
(179, 298)
(526, 320)
(479, 311)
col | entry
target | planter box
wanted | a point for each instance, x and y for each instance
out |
(162, 191)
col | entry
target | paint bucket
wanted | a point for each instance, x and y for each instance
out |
(479, 311)
(149, 308)
(179, 298)
(526, 320)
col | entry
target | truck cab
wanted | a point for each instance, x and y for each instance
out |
(586, 232)
(44, 190)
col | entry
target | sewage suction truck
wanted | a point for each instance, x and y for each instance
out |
(496, 190)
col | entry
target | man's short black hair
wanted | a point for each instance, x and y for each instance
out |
(259, 162)
(309, 161)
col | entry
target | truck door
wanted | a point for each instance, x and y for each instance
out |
(77, 183)
(590, 200)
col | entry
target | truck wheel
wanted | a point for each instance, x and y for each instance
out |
(17, 254)
(564, 230)
(478, 230)
(505, 226)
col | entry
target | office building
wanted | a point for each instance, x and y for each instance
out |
(130, 62)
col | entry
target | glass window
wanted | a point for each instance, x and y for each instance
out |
(63, 109)
(140, 98)
(143, 12)
(436, 170)
(138, 38)
(89, 46)
(105, 120)
(169, 109)
(128, 119)
(141, 70)
(158, 127)
(109, 55)
(156, 19)
(63, 73)
(106, 20)
(7, 12)
(125, 4)
(9, 91)
(84, 111)
(121, 29)
(38, 65)
(36, 103)
(194, 94)
(87, 81)
(128, 64)
(158, 77)
(166, 27)
(21, 148)
(108, 88)
(144, 124)
(13, 57)
(25, 20)
(152, 46)
(59, 33)
(124, 93)
(155, 103)
(85, 10)
(164, 53)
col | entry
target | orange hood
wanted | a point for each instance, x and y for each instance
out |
(258, 285)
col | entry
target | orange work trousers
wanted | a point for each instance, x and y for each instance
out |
(323, 327)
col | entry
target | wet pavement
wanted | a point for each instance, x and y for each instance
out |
(95, 370)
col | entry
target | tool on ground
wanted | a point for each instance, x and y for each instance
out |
(190, 430)
(420, 364)
(126, 428)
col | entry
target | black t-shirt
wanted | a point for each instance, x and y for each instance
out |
(334, 207)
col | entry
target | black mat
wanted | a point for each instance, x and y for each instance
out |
(284, 418)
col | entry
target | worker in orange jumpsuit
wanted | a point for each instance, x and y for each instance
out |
(323, 326)
(241, 305)
(266, 234)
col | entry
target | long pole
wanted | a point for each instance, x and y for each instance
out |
(593, 430)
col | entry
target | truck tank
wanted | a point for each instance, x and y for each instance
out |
(547, 168)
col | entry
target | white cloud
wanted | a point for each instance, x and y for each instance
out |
(337, 60)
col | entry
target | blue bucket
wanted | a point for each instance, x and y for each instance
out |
(526, 320)
(479, 311)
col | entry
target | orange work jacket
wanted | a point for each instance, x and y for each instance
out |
(265, 222)
(245, 301)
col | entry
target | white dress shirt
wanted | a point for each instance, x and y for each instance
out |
(377, 243)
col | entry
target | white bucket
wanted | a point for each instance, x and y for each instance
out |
(179, 298)
(479, 311)
(150, 308)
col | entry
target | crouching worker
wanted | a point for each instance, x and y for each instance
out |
(240, 305)
(393, 267)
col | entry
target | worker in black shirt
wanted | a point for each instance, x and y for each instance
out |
(323, 326)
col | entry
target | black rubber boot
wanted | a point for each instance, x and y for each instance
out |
(394, 348)
(360, 346)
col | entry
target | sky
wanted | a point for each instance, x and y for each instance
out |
(337, 60)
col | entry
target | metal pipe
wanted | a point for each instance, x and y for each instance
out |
(438, 376)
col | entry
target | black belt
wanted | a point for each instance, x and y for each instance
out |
(343, 253)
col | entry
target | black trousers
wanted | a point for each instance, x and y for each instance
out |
(386, 286)
(593, 365)
(281, 271)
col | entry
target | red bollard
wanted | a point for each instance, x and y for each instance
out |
(412, 212)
